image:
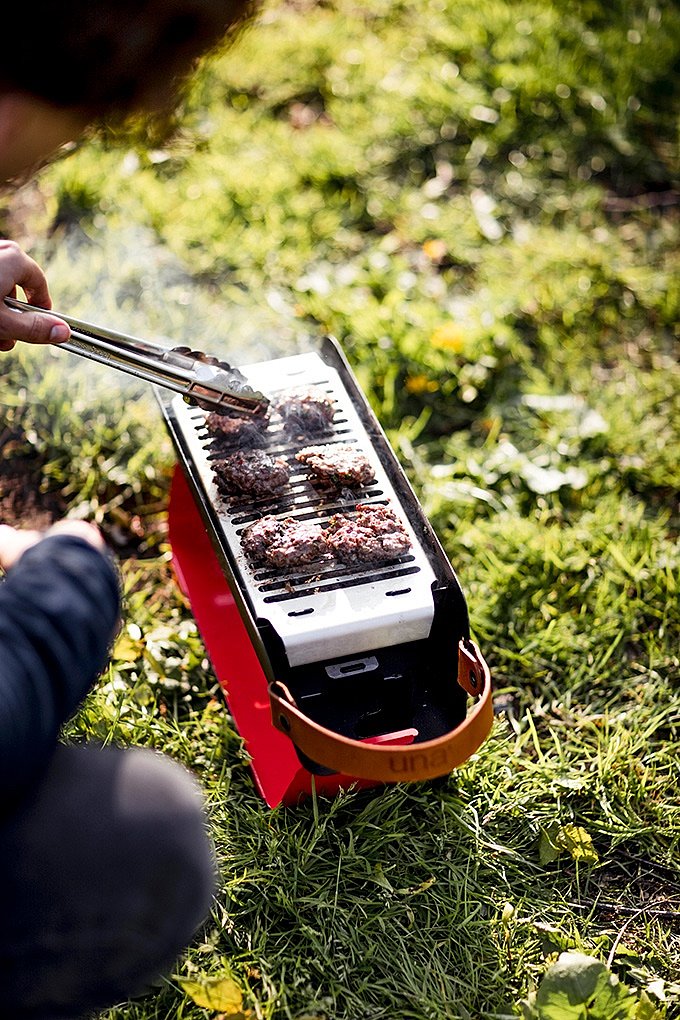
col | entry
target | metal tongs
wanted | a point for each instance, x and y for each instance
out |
(201, 379)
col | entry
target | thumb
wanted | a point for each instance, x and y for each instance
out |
(32, 327)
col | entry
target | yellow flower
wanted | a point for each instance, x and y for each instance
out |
(435, 249)
(449, 337)
(421, 384)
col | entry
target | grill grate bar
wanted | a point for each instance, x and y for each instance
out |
(313, 505)
(217, 448)
(349, 583)
(307, 510)
(321, 570)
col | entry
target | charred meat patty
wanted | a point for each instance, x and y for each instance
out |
(373, 535)
(251, 472)
(307, 411)
(284, 542)
(339, 464)
(232, 430)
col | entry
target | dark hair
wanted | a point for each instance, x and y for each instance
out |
(115, 57)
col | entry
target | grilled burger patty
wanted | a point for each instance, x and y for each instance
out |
(307, 411)
(252, 472)
(338, 464)
(283, 542)
(373, 535)
(232, 430)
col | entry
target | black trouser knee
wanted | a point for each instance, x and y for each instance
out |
(107, 872)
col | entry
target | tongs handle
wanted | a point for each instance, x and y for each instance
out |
(199, 378)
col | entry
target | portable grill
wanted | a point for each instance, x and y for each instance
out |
(366, 671)
(335, 674)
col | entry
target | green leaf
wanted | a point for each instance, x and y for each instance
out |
(648, 1009)
(219, 992)
(381, 879)
(579, 987)
(577, 842)
(571, 839)
(127, 648)
(548, 851)
(413, 890)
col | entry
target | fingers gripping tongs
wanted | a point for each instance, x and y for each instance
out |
(201, 379)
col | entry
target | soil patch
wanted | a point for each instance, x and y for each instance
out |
(23, 504)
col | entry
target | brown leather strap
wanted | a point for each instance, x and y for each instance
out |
(392, 762)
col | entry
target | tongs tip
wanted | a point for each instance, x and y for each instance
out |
(250, 403)
(220, 387)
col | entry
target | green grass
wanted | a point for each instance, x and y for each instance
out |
(481, 202)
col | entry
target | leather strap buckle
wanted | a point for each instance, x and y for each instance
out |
(470, 669)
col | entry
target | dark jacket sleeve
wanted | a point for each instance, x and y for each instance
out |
(58, 611)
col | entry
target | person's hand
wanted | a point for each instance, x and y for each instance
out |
(15, 542)
(17, 269)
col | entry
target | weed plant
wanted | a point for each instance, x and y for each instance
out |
(480, 200)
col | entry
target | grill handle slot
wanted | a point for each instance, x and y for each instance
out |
(342, 669)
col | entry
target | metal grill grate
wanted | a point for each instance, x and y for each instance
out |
(326, 608)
